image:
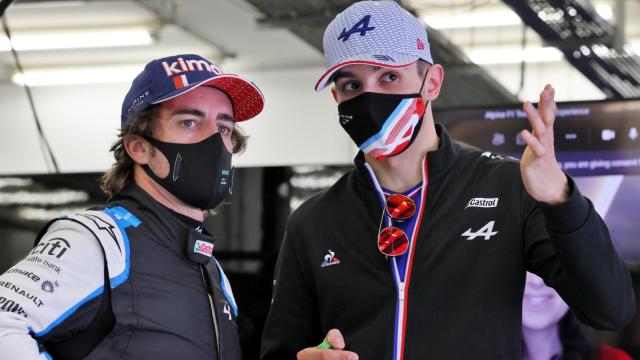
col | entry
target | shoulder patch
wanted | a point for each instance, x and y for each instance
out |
(109, 227)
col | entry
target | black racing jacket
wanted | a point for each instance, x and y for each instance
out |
(168, 298)
(464, 298)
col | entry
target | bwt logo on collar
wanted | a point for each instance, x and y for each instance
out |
(482, 203)
(180, 66)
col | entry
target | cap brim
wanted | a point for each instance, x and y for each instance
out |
(326, 77)
(246, 98)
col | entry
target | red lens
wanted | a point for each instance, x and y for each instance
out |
(400, 206)
(393, 241)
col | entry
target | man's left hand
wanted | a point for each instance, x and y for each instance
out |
(541, 174)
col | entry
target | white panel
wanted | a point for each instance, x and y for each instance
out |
(298, 125)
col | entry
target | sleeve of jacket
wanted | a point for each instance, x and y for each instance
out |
(62, 272)
(293, 321)
(569, 246)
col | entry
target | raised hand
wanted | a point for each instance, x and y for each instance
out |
(543, 179)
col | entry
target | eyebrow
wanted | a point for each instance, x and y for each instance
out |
(200, 114)
(226, 117)
(348, 74)
(194, 112)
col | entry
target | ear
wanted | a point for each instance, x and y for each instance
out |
(334, 93)
(433, 83)
(138, 148)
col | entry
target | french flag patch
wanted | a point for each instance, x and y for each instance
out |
(180, 81)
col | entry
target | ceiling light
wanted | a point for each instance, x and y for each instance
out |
(515, 55)
(51, 40)
(604, 11)
(77, 75)
(473, 20)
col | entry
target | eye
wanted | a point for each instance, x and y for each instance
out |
(350, 86)
(390, 76)
(188, 123)
(224, 129)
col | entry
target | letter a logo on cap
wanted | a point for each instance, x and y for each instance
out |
(180, 81)
(361, 27)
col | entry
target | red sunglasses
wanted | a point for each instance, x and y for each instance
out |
(393, 241)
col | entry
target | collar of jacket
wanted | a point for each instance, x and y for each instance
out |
(171, 231)
(440, 160)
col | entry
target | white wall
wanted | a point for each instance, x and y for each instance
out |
(297, 126)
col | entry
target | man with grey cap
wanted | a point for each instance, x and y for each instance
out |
(421, 250)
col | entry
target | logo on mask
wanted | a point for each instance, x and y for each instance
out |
(204, 248)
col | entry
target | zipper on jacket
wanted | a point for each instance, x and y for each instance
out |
(213, 310)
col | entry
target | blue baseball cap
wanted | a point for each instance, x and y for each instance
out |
(379, 33)
(163, 79)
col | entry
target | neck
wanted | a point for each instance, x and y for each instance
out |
(161, 195)
(541, 344)
(401, 172)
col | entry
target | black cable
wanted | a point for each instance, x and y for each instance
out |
(523, 63)
(43, 138)
(4, 4)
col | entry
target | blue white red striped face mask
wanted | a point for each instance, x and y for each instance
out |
(382, 125)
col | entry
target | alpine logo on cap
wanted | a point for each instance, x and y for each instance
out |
(419, 44)
(180, 65)
(361, 27)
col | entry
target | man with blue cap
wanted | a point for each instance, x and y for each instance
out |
(137, 278)
(420, 251)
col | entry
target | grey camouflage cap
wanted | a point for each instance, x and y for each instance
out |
(379, 33)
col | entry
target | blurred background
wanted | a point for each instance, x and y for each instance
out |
(78, 59)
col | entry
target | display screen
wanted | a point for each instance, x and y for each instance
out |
(597, 143)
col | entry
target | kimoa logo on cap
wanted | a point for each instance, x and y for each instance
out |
(180, 66)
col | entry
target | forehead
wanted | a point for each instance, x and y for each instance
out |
(202, 97)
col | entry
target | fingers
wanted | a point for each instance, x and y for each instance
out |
(334, 337)
(533, 143)
(336, 340)
(547, 105)
(539, 127)
(321, 354)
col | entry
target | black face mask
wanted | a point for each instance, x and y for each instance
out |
(383, 125)
(199, 173)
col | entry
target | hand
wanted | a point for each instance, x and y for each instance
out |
(542, 177)
(334, 337)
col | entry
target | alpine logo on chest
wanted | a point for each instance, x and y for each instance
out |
(485, 232)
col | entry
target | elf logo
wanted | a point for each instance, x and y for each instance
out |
(180, 66)
(486, 232)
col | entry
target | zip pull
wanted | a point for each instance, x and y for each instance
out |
(401, 291)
